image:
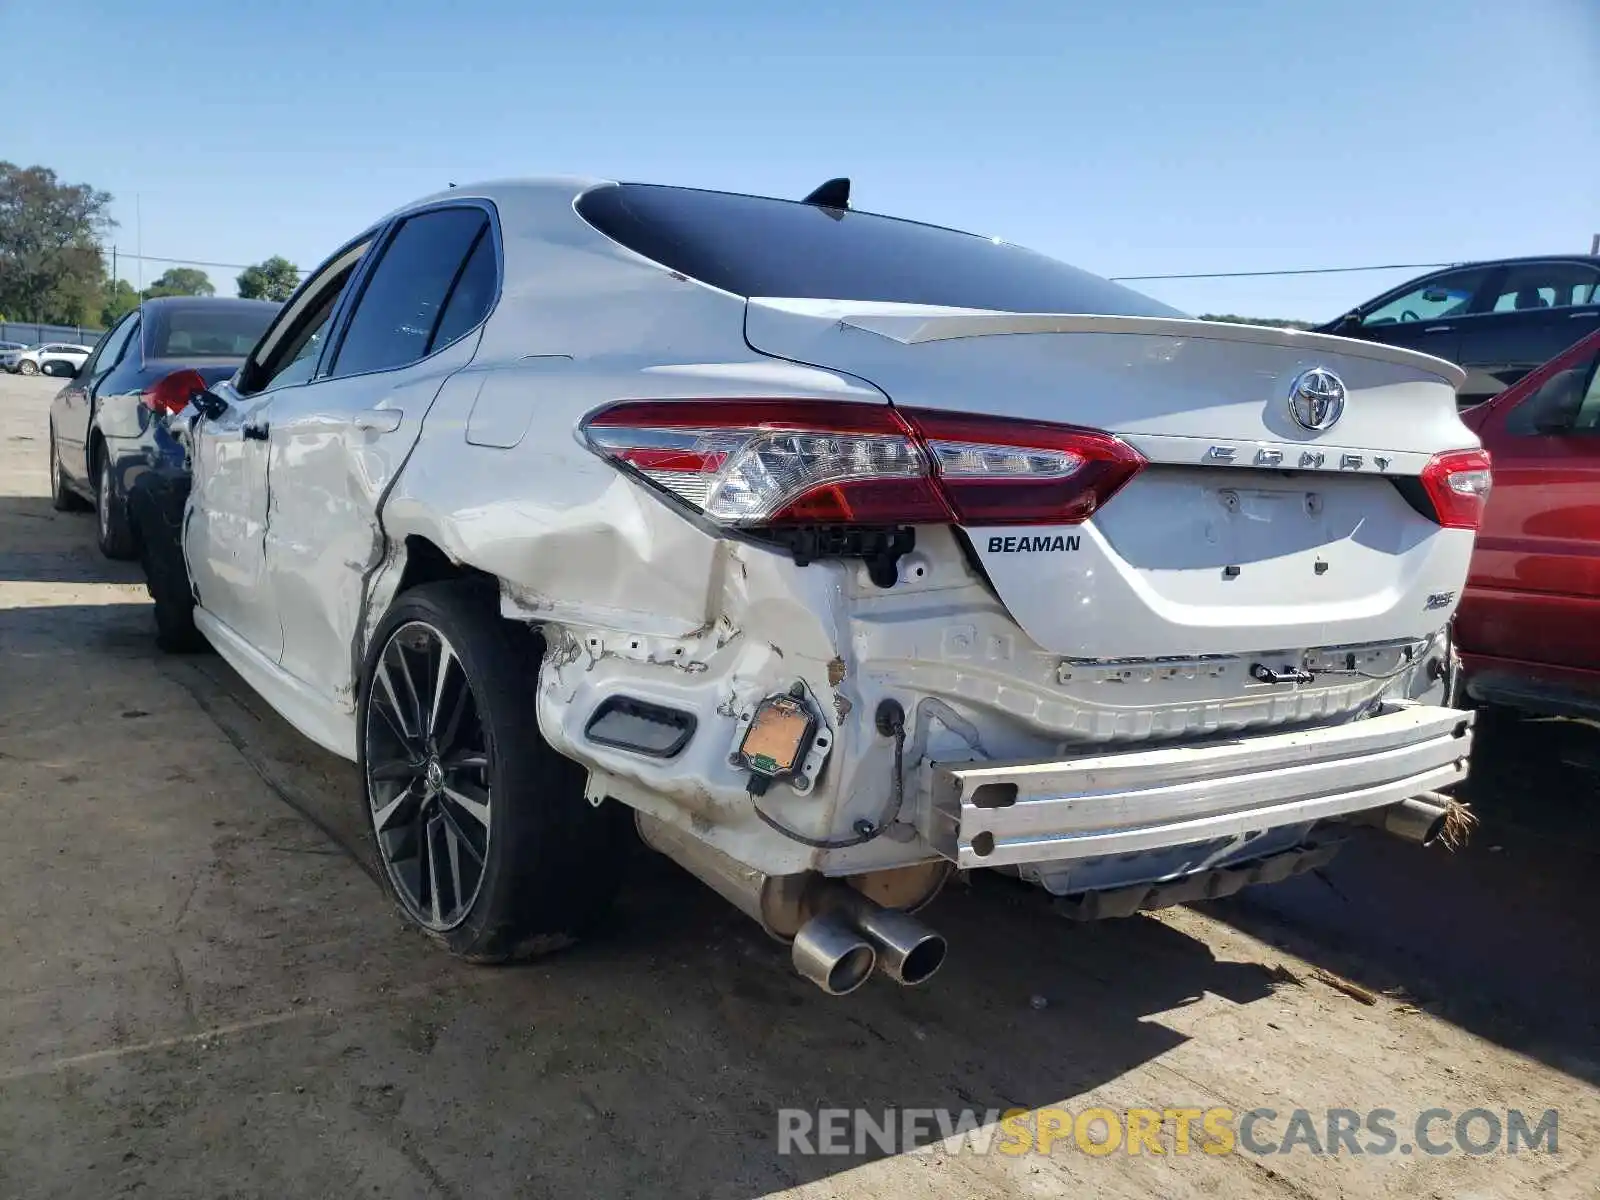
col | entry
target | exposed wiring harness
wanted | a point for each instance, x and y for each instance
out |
(891, 722)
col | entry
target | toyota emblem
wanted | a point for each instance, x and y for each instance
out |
(1316, 399)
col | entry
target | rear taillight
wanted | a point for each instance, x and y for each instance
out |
(802, 462)
(1004, 472)
(171, 393)
(1457, 483)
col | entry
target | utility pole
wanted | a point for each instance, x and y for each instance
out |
(138, 236)
(1594, 244)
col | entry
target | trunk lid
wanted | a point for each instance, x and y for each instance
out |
(1247, 532)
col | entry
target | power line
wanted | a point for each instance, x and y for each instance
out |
(1297, 271)
(182, 262)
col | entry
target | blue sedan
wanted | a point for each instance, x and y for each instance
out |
(104, 426)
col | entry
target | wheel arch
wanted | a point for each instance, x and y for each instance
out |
(93, 445)
(411, 560)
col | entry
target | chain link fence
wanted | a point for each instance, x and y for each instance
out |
(30, 334)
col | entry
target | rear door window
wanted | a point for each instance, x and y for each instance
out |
(1567, 402)
(1530, 286)
(107, 354)
(404, 299)
(757, 246)
(471, 296)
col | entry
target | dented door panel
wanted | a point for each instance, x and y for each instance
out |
(336, 446)
(226, 521)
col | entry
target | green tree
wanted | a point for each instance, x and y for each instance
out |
(50, 264)
(79, 293)
(274, 279)
(120, 298)
(181, 281)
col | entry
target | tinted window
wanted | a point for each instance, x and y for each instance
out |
(394, 319)
(297, 357)
(470, 298)
(220, 330)
(1546, 285)
(1567, 402)
(752, 246)
(112, 346)
(289, 350)
(1442, 296)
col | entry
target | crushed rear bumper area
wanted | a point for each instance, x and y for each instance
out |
(1201, 885)
(993, 814)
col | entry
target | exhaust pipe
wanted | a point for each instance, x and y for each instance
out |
(1419, 819)
(908, 951)
(832, 955)
(838, 936)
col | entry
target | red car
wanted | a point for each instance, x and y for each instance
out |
(1529, 624)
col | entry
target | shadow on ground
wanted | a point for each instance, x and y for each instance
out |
(1498, 938)
(40, 545)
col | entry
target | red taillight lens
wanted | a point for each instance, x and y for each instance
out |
(1002, 472)
(789, 462)
(171, 392)
(1457, 482)
(774, 462)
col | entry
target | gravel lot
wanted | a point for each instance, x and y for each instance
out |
(204, 993)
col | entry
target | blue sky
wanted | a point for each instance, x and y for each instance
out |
(1126, 136)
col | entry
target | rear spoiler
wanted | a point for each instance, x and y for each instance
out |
(898, 324)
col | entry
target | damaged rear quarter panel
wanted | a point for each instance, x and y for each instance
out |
(586, 553)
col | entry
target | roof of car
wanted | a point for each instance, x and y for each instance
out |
(501, 191)
(1591, 259)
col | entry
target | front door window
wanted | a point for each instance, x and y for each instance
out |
(1440, 298)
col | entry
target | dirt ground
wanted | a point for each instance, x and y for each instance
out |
(204, 993)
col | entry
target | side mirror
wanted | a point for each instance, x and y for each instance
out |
(1349, 321)
(59, 368)
(175, 392)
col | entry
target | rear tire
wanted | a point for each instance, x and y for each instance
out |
(111, 513)
(27, 367)
(62, 497)
(487, 842)
(156, 509)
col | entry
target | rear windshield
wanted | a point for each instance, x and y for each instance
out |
(218, 330)
(754, 246)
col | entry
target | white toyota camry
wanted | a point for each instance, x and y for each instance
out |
(836, 552)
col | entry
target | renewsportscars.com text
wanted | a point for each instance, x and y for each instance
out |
(1168, 1131)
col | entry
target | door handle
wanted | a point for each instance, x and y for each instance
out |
(256, 433)
(1438, 329)
(378, 420)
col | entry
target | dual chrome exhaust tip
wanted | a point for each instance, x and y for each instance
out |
(840, 948)
(839, 937)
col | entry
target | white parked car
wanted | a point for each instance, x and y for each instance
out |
(844, 551)
(32, 360)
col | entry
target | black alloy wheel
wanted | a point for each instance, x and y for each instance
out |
(485, 835)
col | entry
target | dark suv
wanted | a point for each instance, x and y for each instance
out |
(1499, 320)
